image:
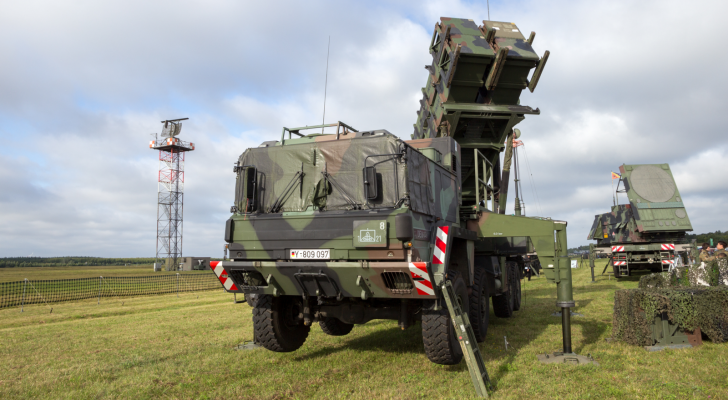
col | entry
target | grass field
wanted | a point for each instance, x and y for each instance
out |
(18, 274)
(169, 347)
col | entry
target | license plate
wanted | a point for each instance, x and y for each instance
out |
(317, 254)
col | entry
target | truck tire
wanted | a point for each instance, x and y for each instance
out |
(504, 304)
(251, 299)
(274, 324)
(334, 327)
(438, 332)
(517, 286)
(479, 305)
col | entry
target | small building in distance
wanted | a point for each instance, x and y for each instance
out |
(195, 263)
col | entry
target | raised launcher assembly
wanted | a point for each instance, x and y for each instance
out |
(472, 94)
(649, 231)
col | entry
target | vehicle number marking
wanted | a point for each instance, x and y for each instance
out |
(312, 254)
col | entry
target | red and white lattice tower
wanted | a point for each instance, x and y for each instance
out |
(170, 196)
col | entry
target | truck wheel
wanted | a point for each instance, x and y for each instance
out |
(504, 304)
(334, 327)
(479, 305)
(438, 332)
(276, 325)
(516, 286)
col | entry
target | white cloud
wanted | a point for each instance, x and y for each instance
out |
(83, 84)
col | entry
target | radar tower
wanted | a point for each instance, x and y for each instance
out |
(170, 193)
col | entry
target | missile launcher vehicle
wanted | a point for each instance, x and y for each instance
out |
(649, 231)
(343, 228)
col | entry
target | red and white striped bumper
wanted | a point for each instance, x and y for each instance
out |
(620, 263)
(421, 278)
(222, 275)
(344, 274)
(617, 249)
(667, 247)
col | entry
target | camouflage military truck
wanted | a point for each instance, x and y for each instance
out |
(649, 231)
(352, 226)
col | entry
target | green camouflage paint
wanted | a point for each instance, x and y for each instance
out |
(642, 233)
(309, 193)
(310, 190)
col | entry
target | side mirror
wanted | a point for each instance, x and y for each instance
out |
(370, 183)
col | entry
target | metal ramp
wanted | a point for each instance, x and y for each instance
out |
(466, 337)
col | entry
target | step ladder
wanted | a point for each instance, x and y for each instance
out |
(468, 344)
(624, 269)
(665, 255)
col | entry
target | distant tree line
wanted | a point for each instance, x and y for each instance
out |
(11, 262)
(580, 248)
(701, 238)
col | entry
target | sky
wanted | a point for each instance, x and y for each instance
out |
(84, 84)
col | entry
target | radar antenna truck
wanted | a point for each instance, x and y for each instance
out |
(648, 232)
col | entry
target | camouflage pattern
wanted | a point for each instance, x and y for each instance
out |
(655, 211)
(654, 216)
(369, 252)
(694, 296)
(718, 254)
(472, 92)
(342, 159)
(431, 178)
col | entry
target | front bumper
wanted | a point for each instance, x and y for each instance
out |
(361, 279)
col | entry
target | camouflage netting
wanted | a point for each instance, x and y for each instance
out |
(677, 278)
(694, 297)
(704, 307)
(711, 273)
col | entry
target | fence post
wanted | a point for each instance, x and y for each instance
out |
(22, 301)
(99, 300)
(177, 284)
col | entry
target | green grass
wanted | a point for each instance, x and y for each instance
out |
(170, 347)
(40, 273)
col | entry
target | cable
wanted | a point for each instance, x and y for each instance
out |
(533, 187)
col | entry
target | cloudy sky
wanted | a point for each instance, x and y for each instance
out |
(83, 84)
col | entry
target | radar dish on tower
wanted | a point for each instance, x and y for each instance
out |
(171, 129)
(652, 183)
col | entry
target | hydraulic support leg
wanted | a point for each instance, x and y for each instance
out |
(592, 256)
(560, 273)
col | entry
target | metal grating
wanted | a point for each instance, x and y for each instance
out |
(398, 282)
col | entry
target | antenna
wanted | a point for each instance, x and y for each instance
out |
(488, 3)
(326, 84)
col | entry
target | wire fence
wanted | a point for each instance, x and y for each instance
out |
(20, 293)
